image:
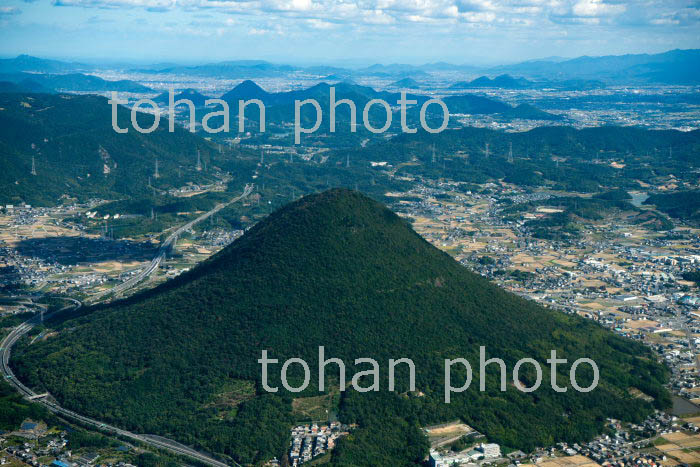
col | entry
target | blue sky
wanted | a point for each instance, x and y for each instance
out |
(345, 31)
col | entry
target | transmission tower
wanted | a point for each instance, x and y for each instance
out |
(155, 172)
(262, 158)
(510, 152)
(198, 167)
(434, 160)
(33, 166)
(486, 150)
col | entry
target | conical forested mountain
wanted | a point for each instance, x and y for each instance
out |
(338, 270)
(244, 91)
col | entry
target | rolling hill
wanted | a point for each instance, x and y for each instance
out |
(39, 65)
(76, 152)
(193, 95)
(23, 86)
(530, 112)
(75, 82)
(338, 270)
(501, 81)
(408, 83)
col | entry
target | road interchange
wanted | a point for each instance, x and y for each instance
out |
(18, 332)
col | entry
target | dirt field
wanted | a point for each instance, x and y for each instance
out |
(682, 446)
(577, 460)
(448, 429)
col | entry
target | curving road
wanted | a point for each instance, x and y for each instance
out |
(9, 376)
(17, 333)
(167, 244)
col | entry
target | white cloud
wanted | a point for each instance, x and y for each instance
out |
(9, 11)
(594, 8)
(327, 14)
(319, 24)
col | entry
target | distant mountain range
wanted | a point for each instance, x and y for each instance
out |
(232, 69)
(672, 67)
(506, 81)
(281, 105)
(502, 81)
(40, 82)
(40, 65)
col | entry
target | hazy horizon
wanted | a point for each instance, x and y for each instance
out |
(478, 32)
(355, 63)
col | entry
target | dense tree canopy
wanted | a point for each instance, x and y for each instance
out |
(341, 271)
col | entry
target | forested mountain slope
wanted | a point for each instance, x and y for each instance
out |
(338, 270)
(77, 152)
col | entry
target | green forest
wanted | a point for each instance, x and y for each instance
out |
(77, 154)
(14, 409)
(340, 270)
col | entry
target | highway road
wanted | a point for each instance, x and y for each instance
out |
(17, 333)
(9, 376)
(167, 244)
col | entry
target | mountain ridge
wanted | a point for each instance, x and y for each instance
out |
(678, 66)
(82, 155)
